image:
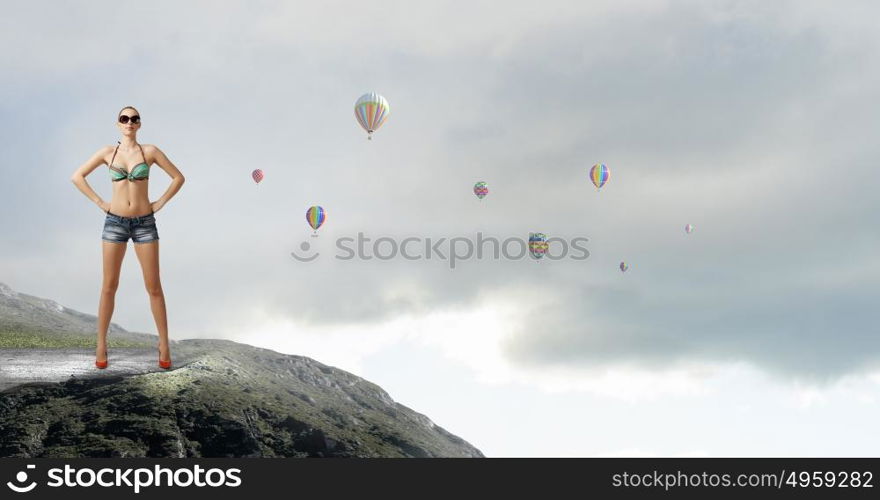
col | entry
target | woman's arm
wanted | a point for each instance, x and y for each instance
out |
(177, 178)
(79, 177)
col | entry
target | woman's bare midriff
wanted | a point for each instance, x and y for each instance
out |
(130, 198)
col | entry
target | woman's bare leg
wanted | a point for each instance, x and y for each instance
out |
(112, 255)
(148, 255)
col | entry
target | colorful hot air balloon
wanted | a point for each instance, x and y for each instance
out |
(481, 189)
(689, 228)
(538, 245)
(623, 267)
(257, 175)
(371, 111)
(315, 216)
(599, 175)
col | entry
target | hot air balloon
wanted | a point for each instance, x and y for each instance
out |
(599, 175)
(538, 245)
(315, 216)
(371, 111)
(689, 228)
(481, 189)
(623, 267)
(257, 175)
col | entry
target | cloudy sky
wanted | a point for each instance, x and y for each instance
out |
(754, 336)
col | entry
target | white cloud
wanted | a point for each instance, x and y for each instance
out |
(472, 337)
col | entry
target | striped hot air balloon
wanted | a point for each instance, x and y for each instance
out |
(481, 189)
(689, 228)
(599, 175)
(257, 175)
(538, 245)
(315, 216)
(623, 267)
(371, 111)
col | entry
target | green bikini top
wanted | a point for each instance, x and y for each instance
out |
(140, 171)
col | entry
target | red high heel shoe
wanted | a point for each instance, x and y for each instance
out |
(164, 364)
(102, 364)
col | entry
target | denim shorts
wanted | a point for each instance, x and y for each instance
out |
(140, 229)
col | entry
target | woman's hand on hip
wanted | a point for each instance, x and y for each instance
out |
(105, 206)
(157, 205)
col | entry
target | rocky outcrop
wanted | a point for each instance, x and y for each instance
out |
(233, 400)
(222, 399)
(23, 311)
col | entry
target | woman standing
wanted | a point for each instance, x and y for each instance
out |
(130, 214)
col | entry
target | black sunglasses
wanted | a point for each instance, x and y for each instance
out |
(134, 119)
